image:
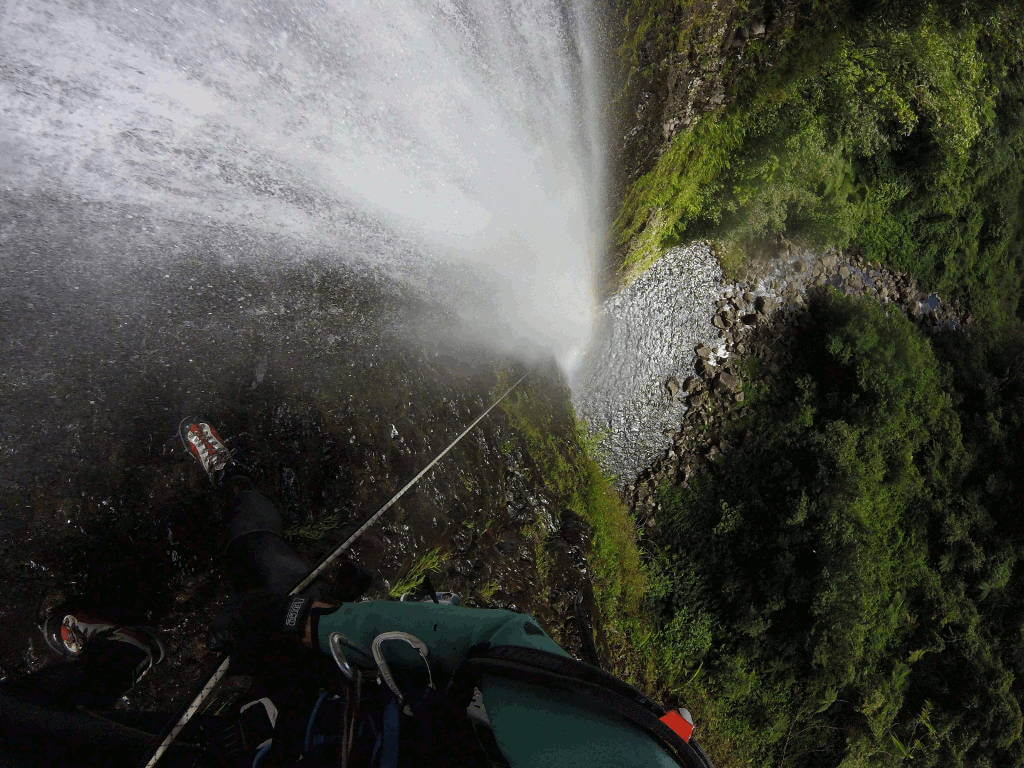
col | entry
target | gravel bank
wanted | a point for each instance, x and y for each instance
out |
(647, 336)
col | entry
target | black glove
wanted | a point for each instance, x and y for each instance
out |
(257, 618)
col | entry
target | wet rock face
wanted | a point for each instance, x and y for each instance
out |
(647, 336)
(329, 376)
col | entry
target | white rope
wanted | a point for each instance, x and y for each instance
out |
(222, 669)
(312, 576)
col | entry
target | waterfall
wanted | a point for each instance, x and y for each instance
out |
(454, 146)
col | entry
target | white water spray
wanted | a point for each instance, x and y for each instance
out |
(454, 143)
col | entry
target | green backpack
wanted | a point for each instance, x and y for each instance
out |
(543, 707)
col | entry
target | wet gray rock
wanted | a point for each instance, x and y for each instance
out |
(672, 387)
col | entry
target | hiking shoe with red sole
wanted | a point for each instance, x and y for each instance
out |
(69, 633)
(205, 445)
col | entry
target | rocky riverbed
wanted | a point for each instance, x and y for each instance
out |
(665, 361)
(754, 316)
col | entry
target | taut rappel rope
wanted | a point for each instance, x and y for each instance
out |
(222, 668)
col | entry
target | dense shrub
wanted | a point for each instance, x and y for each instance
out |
(854, 555)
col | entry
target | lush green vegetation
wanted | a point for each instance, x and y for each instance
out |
(841, 587)
(854, 600)
(896, 127)
(429, 561)
(565, 459)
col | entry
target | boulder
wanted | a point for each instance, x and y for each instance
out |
(672, 386)
(699, 399)
(727, 382)
(765, 305)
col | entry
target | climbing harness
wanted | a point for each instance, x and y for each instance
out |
(222, 669)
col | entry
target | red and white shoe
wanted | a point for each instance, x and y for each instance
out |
(69, 633)
(201, 440)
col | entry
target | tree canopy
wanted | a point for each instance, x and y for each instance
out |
(849, 568)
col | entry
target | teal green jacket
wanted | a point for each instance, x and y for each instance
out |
(448, 630)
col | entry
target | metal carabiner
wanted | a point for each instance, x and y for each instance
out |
(336, 642)
(385, 671)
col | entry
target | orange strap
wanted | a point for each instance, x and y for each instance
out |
(682, 727)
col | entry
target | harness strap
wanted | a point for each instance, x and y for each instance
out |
(391, 725)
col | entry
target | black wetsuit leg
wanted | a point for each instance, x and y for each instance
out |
(259, 556)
